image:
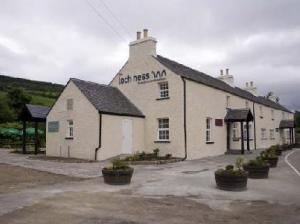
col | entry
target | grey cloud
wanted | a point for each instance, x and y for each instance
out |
(53, 40)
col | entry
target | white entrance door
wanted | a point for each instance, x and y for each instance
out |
(127, 136)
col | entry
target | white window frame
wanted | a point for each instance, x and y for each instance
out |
(235, 131)
(70, 129)
(70, 104)
(263, 134)
(163, 133)
(163, 90)
(245, 131)
(208, 130)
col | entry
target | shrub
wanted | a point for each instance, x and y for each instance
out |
(239, 162)
(231, 170)
(268, 154)
(258, 162)
(118, 164)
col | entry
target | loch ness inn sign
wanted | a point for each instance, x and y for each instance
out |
(142, 78)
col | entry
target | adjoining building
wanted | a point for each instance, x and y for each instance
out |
(154, 102)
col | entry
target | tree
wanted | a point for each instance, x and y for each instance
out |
(6, 114)
(17, 98)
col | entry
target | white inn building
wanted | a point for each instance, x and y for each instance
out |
(154, 102)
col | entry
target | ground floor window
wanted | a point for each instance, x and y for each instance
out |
(70, 129)
(235, 131)
(208, 130)
(163, 129)
(245, 131)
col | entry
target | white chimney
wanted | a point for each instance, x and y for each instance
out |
(250, 87)
(227, 78)
(142, 47)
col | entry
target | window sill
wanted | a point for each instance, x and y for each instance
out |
(162, 141)
(209, 143)
(69, 138)
(236, 139)
(165, 98)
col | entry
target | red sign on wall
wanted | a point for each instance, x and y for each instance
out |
(219, 122)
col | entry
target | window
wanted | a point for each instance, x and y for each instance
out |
(261, 111)
(247, 104)
(263, 134)
(272, 114)
(70, 129)
(245, 131)
(69, 104)
(227, 101)
(208, 137)
(164, 90)
(163, 129)
(272, 134)
(235, 133)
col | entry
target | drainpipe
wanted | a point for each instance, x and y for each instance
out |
(254, 124)
(184, 118)
(100, 131)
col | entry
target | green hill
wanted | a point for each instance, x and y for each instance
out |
(35, 92)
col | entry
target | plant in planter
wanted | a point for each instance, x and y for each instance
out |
(117, 173)
(275, 150)
(270, 157)
(232, 178)
(257, 168)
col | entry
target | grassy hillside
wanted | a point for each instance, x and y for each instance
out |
(42, 93)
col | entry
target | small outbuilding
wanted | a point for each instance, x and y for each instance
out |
(94, 122)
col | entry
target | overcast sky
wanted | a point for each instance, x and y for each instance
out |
(53, 40)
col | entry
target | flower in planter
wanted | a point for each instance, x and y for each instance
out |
(232, 177)
(257, 168)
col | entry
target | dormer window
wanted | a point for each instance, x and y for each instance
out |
(164, 90)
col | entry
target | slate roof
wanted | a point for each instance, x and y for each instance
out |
(32, 112)
(286, 124)
(107, 99)
(235, 115)
(200, 77)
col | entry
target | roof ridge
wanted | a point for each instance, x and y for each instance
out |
(208, 80)
(90, 82)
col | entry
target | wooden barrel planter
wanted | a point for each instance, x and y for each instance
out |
(231, 182)
(117, 176)
(272, 161)
(257, 172)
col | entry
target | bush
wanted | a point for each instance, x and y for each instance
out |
(118, 164)
(258, 162)
(231, 170)
(268, 155)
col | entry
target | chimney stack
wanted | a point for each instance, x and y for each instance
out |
(145, 33)
(138, 35)
(227, 78)
(251, 88)
(143, 46)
